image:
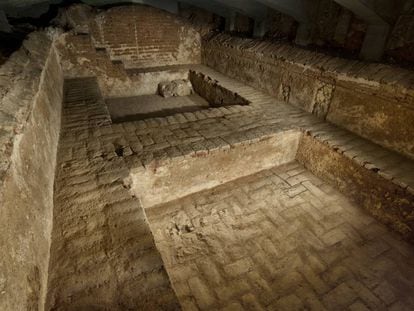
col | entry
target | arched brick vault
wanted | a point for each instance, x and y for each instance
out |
(380, 17)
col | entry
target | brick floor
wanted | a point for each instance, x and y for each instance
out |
(103, 255)
(281, 240)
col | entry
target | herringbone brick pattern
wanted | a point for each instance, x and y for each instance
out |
(281, 240)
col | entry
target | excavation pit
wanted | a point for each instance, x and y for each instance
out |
(206, 93)
(276, 184)
(234, 230)
(267, 240)
(203, 207)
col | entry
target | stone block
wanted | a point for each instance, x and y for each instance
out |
(175, 88)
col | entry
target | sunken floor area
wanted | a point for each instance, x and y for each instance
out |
(181, 208)
(149, 162)
(147, 106)
(280, 239)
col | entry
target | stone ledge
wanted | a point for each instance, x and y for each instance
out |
(385, 198)
(373, 106)
(203, 167)
(31, 98)
(389, 165)
(20, 80)
(342, 69)
(160, 142)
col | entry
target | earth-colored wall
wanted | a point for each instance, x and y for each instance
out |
(374, 101)
(30, 97)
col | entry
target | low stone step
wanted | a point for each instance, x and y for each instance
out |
(379, 180)
(164, 181)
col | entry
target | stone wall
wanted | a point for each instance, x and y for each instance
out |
(30, 97)
(213, 92)
(372, 100)
(204, 21)
(182, 177)
(401, 42)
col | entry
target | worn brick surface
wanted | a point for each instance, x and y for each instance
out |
(228, 248)
(139, 36)
(375, 101)
(103, 252)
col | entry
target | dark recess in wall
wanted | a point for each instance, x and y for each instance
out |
(22, 26)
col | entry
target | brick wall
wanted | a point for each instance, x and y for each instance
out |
(138, 35)
(103, 45)
(374, 101)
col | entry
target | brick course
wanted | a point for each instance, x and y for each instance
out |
(375, 101)
(138, 35)
(254, 244)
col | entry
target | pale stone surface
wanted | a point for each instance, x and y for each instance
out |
(175, 88)
(142, 107)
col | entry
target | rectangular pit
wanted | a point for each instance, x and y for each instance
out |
(206, 94)
(253, 242)
(234, 230)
